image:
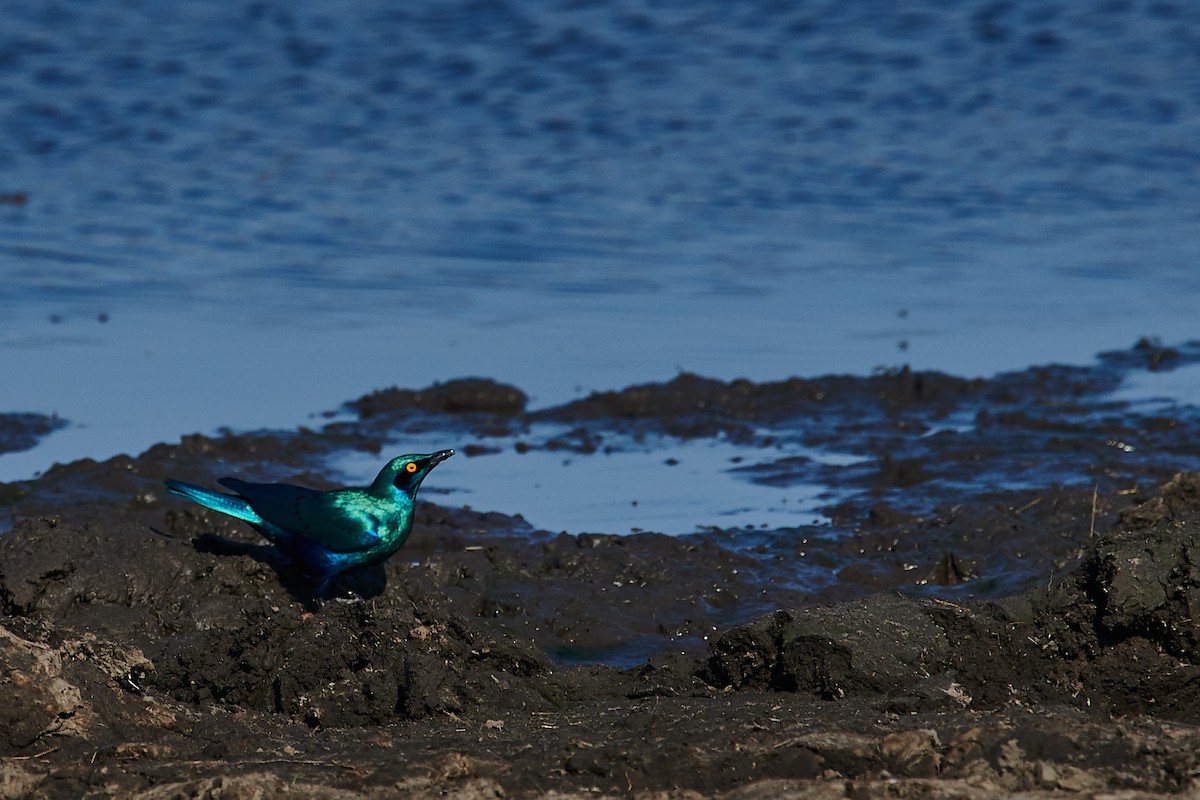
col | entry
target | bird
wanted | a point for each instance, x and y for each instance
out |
(326, 533)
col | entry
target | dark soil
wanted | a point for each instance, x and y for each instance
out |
(1045, 643)
(23, 431)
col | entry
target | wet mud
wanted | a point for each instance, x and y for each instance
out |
(23, 431)
(1009, 606)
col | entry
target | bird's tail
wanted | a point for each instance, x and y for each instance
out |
(217, 501)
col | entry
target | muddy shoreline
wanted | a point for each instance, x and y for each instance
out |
(1009, 607)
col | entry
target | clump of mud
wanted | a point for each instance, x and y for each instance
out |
(23, 431)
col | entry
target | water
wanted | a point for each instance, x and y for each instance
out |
(661, 485)
(276, 209)
(1161, 390)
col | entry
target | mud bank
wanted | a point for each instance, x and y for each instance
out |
(152, 649)
(23, 431)
(139, 665)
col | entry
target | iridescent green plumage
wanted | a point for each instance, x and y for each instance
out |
(325, 533)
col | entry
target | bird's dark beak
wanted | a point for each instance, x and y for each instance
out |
(438, 458)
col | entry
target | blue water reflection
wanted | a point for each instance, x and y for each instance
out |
(280, 208)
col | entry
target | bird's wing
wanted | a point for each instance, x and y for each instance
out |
(321, 517)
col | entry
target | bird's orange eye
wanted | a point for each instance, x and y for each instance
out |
(411, 466)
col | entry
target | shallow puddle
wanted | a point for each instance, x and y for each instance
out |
(659, 484)
(1161, 389)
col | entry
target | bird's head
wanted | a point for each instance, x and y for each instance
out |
(406, 472)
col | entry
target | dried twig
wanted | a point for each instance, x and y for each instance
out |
(1092, 527)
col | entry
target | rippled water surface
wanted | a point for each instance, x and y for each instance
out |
(244, 214)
